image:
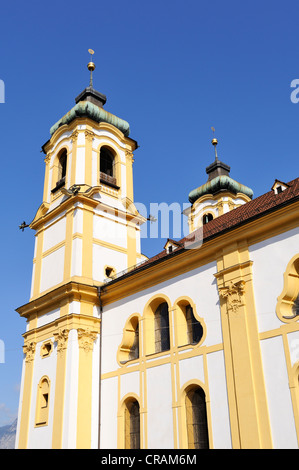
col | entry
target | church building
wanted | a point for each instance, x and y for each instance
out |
(194, 348)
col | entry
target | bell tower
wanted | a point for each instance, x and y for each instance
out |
(220, 194)
(87, 229)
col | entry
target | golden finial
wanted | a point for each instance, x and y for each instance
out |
(91, 66)
(214, 142)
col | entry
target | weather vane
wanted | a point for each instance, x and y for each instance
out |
(91, 66)
(214, 142)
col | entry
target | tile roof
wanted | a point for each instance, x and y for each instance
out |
(253, 209)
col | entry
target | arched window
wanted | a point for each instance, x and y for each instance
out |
(59, 174)
(194, 328)
(162, 340)
(62, 165)
(196, 415)
(132, 425)
(42, 405)
(287, 308)
(107, 166)
(190, 329)
(207, 218)
(129, 348)
(134, 350)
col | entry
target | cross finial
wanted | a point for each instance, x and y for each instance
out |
(214, 142)
(91, 66)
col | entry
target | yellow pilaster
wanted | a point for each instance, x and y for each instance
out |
(74, 157)
(88, 155)
(129, 175)
(131, 245)
(246, 389)
(29, 350)
(87, 243)
(61, 338)
(86, 340)
(46, 182)
(38, 263)
(68, 245)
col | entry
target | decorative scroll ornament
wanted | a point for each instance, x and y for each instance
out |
(29, 350)
(86, 339)
(233, 294)
(61, 339)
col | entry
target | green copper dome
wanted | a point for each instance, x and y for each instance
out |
(94, 112)
(219, 183)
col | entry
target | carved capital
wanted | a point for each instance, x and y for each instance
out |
(130, 156)
(233, 294)
(61, 339)
(74, 136)
(86, 338)
(29, 350)
(89, 135)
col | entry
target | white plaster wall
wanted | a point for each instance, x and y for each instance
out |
(48, 317)
(109, 401)
(109, 230)
(41, 437)
(159, 407)
(278, 394)
(130, 383)
(192, 368)
(78, 219)
(270, 259)
(75, 307)
(100, 138)
(76, 267)
(106, 200)
(199, 285)
(106, 256)
(80, 165)
(54, 234)
(218, 401)
(52, 269)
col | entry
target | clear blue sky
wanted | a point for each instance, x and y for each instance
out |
(172, 69)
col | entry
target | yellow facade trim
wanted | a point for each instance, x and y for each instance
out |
(26, 402)
(38, 264)
(286, 299)
(245, 380)
(86, 339)
(42, 402)
(147, 361)
(53, 299)
(253, 232)
(62, 339)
